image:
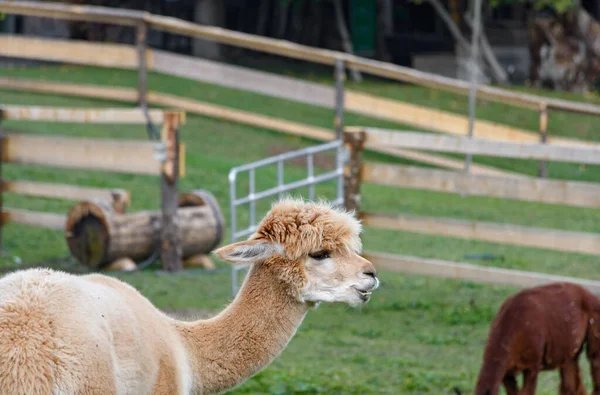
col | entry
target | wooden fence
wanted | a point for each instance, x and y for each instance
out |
(129, 95)
(144, 21)
(481, 181)
(163, 158)
(143, 59)
(569, 193)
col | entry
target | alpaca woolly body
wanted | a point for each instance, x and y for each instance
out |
(94, 334)
(66, 334)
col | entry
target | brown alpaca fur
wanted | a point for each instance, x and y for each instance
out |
(542, 328)
(66, 334)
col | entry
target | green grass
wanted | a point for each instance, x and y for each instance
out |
(418, 335)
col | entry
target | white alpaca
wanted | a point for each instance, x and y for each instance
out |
(93, 334)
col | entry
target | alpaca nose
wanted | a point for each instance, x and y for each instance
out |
(370, 273)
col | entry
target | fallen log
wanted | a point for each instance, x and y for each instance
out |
(97, 236)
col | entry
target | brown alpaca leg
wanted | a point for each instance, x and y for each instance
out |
(593, 353)
(529, 382)
(510, 384)
(594, 359)
(570, 379)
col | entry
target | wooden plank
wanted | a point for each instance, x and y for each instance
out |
(63, 88)
(72, 12)
(62, 191)
(70, 51)
(551, 239)
(288, 49)
(324, 96)
(298, 129)
(237, 77)
(569, 193)
(232, 115)
(434, 81)
(243, 40)
(239, 116)
(121, 156)
(467, 272)
(432, 119)
(382, 69)
(463, 145)
(444, 162)
(80, 115)
(34, 218)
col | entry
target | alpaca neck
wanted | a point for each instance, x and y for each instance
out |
(492, 372)
(231, 347)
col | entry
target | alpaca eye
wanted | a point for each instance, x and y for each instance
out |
(319, 255)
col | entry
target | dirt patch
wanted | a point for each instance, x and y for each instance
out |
(322, 160)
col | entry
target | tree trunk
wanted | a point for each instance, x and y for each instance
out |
(563, 51)
(345, 37)
(384, 19)
(97, 236)
(263, 16)
(498, 73)
(284, 7)
(588, 29)
(208, 12)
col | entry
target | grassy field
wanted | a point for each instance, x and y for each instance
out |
(418, 335)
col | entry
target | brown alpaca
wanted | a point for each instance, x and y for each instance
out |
(542, 328)
(65, 334)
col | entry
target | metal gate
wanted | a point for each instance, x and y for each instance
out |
(253, 195)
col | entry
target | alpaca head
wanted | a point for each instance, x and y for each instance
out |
(312, 249)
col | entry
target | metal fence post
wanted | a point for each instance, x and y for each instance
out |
(340, 77)
(354, 142)
(142, 45)
(543, 169)
(170, 251)
(474, 75)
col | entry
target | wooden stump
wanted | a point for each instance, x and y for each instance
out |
(121, 264)
(199, 261)
(97, 236)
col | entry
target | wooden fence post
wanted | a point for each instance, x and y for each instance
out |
(170, 253)
(340, 77)
(142, 45)
(354, 142)
(543, 170)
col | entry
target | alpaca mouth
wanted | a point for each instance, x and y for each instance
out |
(364, 295)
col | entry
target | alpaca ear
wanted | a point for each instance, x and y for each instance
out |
(250, 251)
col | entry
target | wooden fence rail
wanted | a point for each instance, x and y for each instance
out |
(70, 51)
(569, 193)
(284, 48)
(82, 153)
(321, 95)
(79, 115)
(65, 192)
(34, 218)
(550, 239)
(164, 157)
(467, 272)
(589, 154)
(129, 95)
(126, 57)
(578, 194)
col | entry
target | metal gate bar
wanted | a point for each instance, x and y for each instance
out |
(253, 196)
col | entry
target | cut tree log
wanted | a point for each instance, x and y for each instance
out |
(98, 237)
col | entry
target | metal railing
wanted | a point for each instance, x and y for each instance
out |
(310, 181)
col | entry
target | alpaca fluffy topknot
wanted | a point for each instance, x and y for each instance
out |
(303, 227)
